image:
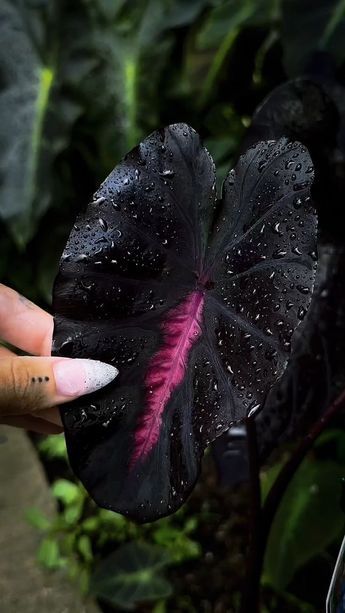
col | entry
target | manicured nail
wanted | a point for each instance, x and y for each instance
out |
(78, 377)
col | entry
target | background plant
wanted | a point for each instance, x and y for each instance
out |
(80, 84)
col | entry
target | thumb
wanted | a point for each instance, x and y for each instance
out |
(29, 384)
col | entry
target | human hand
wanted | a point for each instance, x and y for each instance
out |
(31, 386)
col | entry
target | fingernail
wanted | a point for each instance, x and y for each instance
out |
(78, 377)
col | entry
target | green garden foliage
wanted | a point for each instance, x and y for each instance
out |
(81, 83)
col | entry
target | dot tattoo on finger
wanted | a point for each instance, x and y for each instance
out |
(39, 379)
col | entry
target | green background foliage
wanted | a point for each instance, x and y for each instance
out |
(80, 84)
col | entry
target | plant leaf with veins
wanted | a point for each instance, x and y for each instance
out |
(194, 299)
(23, 106)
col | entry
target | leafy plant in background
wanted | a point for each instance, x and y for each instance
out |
(79, 83)
(74, 540)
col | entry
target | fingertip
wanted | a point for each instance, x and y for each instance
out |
(77, 377)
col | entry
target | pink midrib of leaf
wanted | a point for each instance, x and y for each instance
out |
(181, 329)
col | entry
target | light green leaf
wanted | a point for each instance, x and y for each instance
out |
(67, 492)
(48, 554)
(308, 520)
(36, 518)
(84, 547)
(91, 524)
(73, 512)
(54, 447)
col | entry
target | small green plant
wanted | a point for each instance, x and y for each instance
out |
(83, 539)
(132, 574)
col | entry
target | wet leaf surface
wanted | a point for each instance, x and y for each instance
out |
(194, 299)
(315, 375)
(312, 111)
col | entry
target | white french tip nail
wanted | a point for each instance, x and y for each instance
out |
(76, 377)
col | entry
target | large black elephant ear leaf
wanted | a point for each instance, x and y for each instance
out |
(193, 299)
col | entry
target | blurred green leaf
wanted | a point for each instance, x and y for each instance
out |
(321, 27)
(132, 575)
(160, 607)
(24, 102)
(36, 518)
(48, 554)
(91, 524)
(176, 541)
(73, 512)
(308, 520)
(84, 547)
(67, 492)
(28, 97)
(220, 29)
(133, 50)
(54, 447)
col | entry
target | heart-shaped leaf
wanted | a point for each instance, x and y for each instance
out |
(195, 300)
(132, 575)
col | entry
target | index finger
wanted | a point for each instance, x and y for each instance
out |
(23, 324)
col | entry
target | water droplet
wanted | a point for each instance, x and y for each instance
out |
(98, 200)
(253, 409)
(167, 173)
(279, 253)
(298, 186)
(301, 313)
(303, 289)
(103, 224)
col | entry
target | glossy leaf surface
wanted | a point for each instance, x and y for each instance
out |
(195, 300)
(311, 110)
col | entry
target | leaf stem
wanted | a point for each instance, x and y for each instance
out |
(255, 524)
(251, 594)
